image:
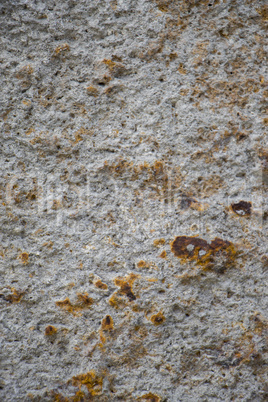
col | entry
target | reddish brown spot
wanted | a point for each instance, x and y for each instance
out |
(158, 318)
(50, 330)
(219, 254)
(187, 247)
(242, 208)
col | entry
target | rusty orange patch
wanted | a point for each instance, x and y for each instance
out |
(107, 323)
(125, 285)
(143, 264)
(83, 302)
(159, 242)
(90, 380)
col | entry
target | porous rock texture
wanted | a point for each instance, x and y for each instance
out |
(134, 166)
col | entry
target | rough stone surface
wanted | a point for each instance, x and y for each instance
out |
(134, 166)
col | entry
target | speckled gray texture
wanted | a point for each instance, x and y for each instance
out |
(126, 125)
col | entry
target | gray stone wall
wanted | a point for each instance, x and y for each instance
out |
(134, 171)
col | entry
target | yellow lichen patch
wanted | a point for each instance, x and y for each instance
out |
(16, 296)
(116, 69)
(50, 330)
(64, 47)
(158, 319)
(91, 380)
(107, 323)
(100, 285)
(150, 397)
(163, 254)
(159, 242)
(218, 252)
(24, 257)
(83, 302)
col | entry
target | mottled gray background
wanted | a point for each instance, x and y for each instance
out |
(126, 124)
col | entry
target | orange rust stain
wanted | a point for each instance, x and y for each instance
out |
(125, 285)
(189, 248)
(163, 254)
(90, 380)
(24, 257)
(50, 330)
(143, 264)
(242, 208)
(107, 323)
(158, 319)
(99, 284)
(93, 91)
(150, 397)
(159, 242)
(83, 302)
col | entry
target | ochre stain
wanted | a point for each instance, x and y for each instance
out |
(107, 323)
(83, 302)
(24, 257)
(158, 319)
(100, 285)
(16, 296)
(159, 242)
(50, 330)
(143, 264)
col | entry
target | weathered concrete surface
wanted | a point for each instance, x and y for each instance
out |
(134, 168)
